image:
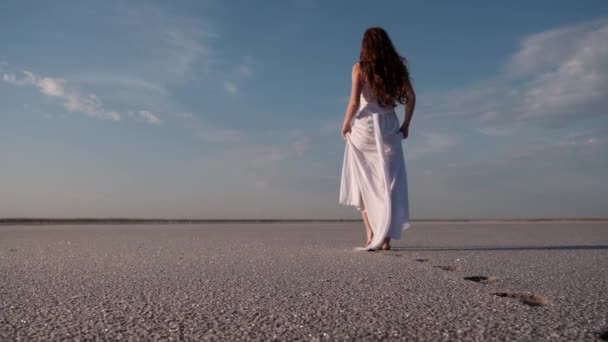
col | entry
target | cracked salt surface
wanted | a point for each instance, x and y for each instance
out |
(301, 282)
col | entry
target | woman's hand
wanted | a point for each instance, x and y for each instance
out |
(405, 131)
(345, 130)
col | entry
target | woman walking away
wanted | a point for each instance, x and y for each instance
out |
(374, 179)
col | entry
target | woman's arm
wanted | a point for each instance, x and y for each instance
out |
(410, 105)
(353, 102)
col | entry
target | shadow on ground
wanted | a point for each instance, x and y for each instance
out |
(499, 248)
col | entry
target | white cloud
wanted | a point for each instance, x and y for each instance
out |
(148, 117)
(540, 52)
(176, 44)
(10, 78)
(234, 78)
(73, 99)
(52, 87)
(575, 143)
(230, 87)
(27, 78)
(579, 79)
(184, 48)
(522, 169)
(556, 78)
(118, 81)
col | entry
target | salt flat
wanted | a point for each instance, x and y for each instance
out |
(302, 281)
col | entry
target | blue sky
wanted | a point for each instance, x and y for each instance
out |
(232, 109)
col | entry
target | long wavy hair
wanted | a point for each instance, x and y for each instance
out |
(383, 68)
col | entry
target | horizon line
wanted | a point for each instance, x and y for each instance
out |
(127, 220)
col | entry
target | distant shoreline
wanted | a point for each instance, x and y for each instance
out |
(56, 221)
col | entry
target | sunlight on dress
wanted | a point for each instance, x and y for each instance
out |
(374, 178)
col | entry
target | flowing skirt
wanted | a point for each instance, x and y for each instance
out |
(374, 178)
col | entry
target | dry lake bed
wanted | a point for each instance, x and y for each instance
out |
(469, 281)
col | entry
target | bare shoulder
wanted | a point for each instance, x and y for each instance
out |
(356, 71)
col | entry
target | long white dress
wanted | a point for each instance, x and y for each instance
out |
(374, 178)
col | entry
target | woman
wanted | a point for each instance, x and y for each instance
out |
(374, 179)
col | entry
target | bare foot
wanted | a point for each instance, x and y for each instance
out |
(368, 229)
(386, 246)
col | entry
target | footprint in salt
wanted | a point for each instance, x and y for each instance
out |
(528, 299)
(483, 279)
(450, 267)
(602, 335)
